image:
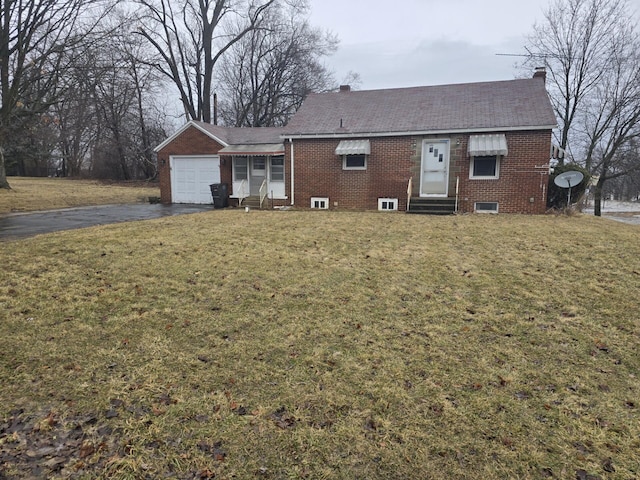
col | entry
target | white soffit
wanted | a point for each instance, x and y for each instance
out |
(481, 145)
(353, 147)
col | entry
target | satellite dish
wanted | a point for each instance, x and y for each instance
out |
(567, 180)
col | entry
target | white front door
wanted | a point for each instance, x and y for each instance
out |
(435, 168)
(191, 177)
(258, 174)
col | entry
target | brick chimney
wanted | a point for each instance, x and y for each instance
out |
(345, 88)
(541, 72)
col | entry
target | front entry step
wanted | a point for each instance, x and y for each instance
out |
(252, 201)
(432, 206)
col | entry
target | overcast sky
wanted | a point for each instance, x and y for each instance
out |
(403, 43)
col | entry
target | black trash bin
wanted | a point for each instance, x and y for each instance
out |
(220, 194)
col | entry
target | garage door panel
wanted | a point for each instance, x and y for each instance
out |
(191, 177)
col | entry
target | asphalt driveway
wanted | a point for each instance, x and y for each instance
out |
(22, 225)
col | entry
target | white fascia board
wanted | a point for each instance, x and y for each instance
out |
(307, 136)
(179, 132)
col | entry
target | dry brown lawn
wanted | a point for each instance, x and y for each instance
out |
(323, 345)
(31, 194)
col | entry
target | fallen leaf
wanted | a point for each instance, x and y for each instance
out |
(370, 424)
(219, 455)
(206, 473)
(86, 450)
(158, 411)
(607, 465)
(282, 418)
(583, 475)
(240, 410)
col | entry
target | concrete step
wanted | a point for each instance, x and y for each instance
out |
(432, 206)
(252, 202)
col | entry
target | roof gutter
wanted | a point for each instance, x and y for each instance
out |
(416, 132)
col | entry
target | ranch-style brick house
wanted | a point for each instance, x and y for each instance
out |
(476, 147)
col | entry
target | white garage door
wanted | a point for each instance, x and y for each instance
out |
(191, 177)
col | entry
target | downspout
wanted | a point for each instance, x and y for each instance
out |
(292, 174)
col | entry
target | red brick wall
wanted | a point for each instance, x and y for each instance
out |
(319, 173)
(393, 160)
(523, 179)
(190, 142)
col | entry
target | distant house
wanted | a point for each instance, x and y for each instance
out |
(477, 147)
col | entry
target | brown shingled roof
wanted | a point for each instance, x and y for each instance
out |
(243, 136)
(511, 104)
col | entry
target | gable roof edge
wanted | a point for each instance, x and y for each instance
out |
(301, 136)
(181, 130)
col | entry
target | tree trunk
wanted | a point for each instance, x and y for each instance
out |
(3, 173)
(597, 197)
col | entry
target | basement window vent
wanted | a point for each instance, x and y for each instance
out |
(486, 207)
(388, 204)
(321, 203)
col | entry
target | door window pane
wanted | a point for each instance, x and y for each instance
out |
(258, 164)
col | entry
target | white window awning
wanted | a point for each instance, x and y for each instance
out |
(483, 145)
(353, 147)
(257, 149)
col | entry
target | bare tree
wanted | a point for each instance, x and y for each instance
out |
(265, 76)
(573, 43)
(590, 50)
(34, 35)
(75, 113)
(189, 38)
(108, 118)
(124, 105)
(612, 118)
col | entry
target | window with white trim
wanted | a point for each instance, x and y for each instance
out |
(485, 167)
(277, 169)
(321, 203)
(354, 162)
(486, 207)
(388, 204)
(240, 168)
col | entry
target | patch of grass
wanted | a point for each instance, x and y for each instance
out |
(323, 345)
(31, 194)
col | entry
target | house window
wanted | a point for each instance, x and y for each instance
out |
(354, 162)
(388, 204)
(486, 207)
(321, 203)
(277, 169)
(486, 167)
(240, 169)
